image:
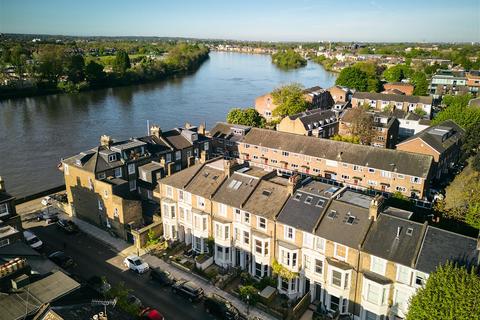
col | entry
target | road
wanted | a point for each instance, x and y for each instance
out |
(94, 258)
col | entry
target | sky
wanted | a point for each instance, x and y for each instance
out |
(268, 20)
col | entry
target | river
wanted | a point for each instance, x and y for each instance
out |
(35, 133)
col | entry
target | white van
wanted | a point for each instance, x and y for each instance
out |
(32, 240)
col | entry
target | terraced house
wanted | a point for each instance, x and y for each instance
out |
(112, 185)
(382, 101)
(357, 166)
(235, 204)
(352, 254)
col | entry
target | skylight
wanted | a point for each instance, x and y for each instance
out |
(308, 200)
(320, 203)
(266, 193)
(332, 214)
(350, 220)
(297, 196)
(409, 231)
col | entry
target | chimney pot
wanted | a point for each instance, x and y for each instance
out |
(105, 140)
(375, 207)
(155, 131)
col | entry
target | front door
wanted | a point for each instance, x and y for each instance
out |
(318, 292)
(307, 285)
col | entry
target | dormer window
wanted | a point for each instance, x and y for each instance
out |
(112, 157)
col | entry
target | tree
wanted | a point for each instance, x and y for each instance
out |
(289, 100)
(419, 81)
(362, 125)
(122, 62)
(456, 108)
(51, 59)
(288, 59)
(450, 293)
(75, 68)
(94, 73)
(248, 294)
(246, 117)
(397, 73)
(353, 78)
(419, 111)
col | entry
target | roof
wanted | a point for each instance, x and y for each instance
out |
(345, 222)
(227, 131)
(5, 196)
(440, 246)
(48, 289)
(207, 180)
(238, 187)
(180, 179)
(267, 200)
(392, 97)
(408, 163)
(310, 117)
(440, 137)
(304, 209)
(394, 239)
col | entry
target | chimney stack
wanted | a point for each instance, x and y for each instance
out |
(201, 129)
(228, 166)
(105, 140)
(292, 184)
(203, 156)
(187, 125)
(155, 131)
(375, 207)
(2, 185)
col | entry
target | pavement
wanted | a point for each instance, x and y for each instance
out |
(98, 253)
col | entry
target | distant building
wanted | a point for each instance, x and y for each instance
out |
(443, 142)
(318, 123)
(225, 137)
(385, 126)
(340, 94)
(473, 81)
(448, 82)
(405, 88)
(381, 101)
(318, 98)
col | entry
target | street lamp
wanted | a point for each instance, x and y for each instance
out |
(248, 304)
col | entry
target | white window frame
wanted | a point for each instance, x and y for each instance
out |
(131, 168)
(238, 215)
(178, 155)
(5, 211)
(406, 271)
(66, 169)
(169, 192)
(200, 202)
(287, 230)
(246, 217)
(378, 265)
(345, 278)
(132, 184)
(318, 247)
(308, 240)
(118, 172)
(222, 209)
(336, 246)
(259, 223)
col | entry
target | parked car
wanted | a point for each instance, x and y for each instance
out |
(188, 289)
(99, 284)
(150, 314)
(133, 300)
(47, 201)
(161, 276)
(67, 226)
(220, 307)
(32, 240)
(136, 264)
(61, 259)
(48, 217)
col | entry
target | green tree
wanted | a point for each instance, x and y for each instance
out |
(456, 108)
(450, 293)
(397, 73)
(51, 60)
(75, 68)
(419, 111)
(289, 100)
(248, 294)
(246, 117)
(94, 73)
(288, 59)
(122, 62)
(353, 78)
(420, 82)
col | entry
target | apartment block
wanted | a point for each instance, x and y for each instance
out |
(382, 101)
(340, 94)
(443, 142)
(112, 185)
(225, 137)
(317, 123)
(357, 166)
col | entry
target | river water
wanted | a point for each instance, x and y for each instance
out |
(35, 133)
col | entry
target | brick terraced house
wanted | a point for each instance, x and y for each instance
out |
(381, 101)
(357, 166)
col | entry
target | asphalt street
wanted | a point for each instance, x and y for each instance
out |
(94, 258)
